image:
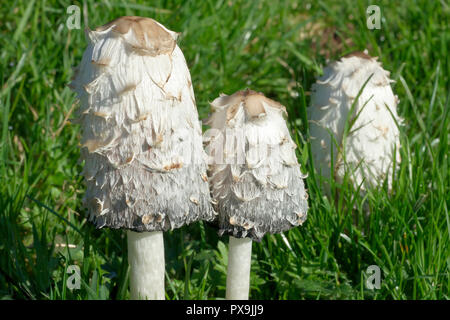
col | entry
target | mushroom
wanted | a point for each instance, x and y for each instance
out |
(366, 148)
(141, 142)
(255, 178)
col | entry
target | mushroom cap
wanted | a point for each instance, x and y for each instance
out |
(252, 102)
(146, 35)
(145, 167)
(374, 136)
(255, 179)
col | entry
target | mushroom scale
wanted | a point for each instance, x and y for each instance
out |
(254, 175)
(141, 138)
(373, 139)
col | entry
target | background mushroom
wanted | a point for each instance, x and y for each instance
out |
(141, 142)
(255, 178)
(370, 139)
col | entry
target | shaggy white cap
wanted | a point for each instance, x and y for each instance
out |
(374, 135)
(145, 167)
(254, 174)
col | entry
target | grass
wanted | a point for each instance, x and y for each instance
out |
(277, 47)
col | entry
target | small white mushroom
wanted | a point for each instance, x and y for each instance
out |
(131, 129)
(373, 138)
(265, 191)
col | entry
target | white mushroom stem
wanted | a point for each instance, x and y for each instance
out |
(238, 273)
(146, 259)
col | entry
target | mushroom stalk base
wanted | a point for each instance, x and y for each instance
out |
(238, 274)
(147, 268)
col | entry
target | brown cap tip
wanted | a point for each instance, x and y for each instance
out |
(160, 40)
(252, 102)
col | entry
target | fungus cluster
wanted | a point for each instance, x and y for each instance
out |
(145, 167)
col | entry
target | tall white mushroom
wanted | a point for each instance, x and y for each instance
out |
(255, 178)
(145, 167)
(373, 138)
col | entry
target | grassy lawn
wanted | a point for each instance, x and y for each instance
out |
(279, 48)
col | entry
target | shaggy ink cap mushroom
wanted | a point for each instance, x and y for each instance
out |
(257, 186)
(145, 167)
(374, 137)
